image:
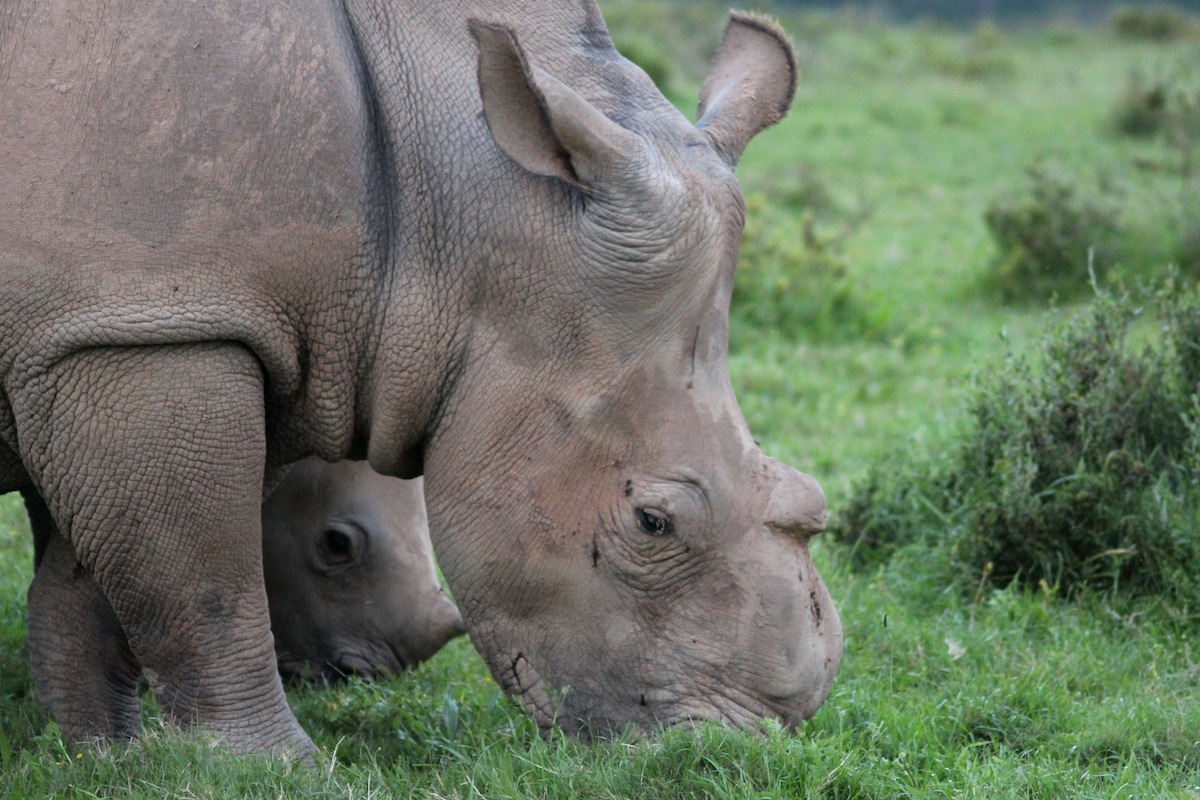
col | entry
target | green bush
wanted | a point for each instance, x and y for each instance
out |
(647, 55)
(982, 57)
(1167, 104)
(1142, 109)
(1080, 467)
(1046, 235)
(1153, 23)
(1167, 108)
(674, 43)
(793, 278)
(1187, 248)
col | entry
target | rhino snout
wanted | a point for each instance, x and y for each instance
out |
(796, 504)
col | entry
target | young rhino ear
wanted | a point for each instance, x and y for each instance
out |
(750, 86)
(540, 122)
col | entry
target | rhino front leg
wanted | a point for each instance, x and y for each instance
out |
(85, 673)
(151, 461)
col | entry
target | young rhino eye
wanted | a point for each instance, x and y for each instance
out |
(340, 545)
(653, 522)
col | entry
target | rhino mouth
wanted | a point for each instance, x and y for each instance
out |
(659, 709)
(599, 714)
(381, 662)
(368, 666)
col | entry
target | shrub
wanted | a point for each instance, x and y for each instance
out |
(1187, 249)
(794, 279)
(1079, 467)
(646, 54)
(1153, 23)
(1045, 234)
(980, 58)
(674, 43)
(1167, 104)
(1141, 110)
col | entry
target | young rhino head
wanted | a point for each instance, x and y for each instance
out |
(349, 571)
(621, 549)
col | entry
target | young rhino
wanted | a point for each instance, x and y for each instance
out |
(351, 584)
(349, 571)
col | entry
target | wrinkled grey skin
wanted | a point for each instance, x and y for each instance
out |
(351, 583)
(463, 239)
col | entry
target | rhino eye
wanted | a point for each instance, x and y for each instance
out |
(340, 545)
(653, 522)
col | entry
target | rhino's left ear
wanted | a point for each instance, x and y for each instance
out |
(750, 86)
(540, 122)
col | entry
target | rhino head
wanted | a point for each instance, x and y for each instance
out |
(351, 583)
(621, 549)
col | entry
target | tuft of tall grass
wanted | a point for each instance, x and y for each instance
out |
(1081, 466)
(794, 279)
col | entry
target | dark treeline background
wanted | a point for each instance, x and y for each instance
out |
(973, 10)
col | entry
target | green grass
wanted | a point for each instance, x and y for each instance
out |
(997, 694)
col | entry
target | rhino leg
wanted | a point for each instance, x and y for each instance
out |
(85, 673)
(151, 461)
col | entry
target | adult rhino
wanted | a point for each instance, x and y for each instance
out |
(461, 239)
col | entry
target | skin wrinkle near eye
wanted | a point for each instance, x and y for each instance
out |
(686, 526)
(660, 577)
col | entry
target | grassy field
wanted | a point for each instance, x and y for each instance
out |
(861, 338)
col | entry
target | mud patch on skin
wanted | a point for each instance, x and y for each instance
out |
(816, 608)
(692, 374)
(212, 605)
(778, 599)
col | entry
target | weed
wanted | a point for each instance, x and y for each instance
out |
(649, 57)
(794, 279)
(1079, 469)
(1156, 23)
(1141, 110)
(979, 59)
(1045, 234)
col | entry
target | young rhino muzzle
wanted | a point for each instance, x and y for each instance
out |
(349, 571)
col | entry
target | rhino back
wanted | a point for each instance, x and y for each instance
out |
(183, 172)
(312, 179)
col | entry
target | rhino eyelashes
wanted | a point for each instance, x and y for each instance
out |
(653, 522)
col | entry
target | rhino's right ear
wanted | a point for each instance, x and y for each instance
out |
(540, 122)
